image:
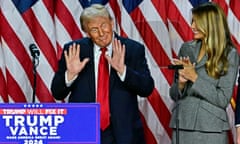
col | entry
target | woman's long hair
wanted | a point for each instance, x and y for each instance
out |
(211, 21)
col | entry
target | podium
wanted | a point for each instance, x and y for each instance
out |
(50, 123)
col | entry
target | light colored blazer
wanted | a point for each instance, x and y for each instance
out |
(202, 105)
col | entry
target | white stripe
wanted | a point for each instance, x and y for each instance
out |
(11, 100)
(62, 35)
(234, 25)
(175, 38)
(1, 100)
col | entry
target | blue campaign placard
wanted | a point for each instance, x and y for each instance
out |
(49, 123)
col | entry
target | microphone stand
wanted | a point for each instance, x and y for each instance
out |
(35, 61)
(176, 76)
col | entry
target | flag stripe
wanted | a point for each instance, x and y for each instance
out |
(234, 5)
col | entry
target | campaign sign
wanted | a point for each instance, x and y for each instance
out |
(49, 123)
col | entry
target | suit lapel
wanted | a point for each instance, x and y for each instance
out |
(203, 60)
(91, 67)
(193, 52)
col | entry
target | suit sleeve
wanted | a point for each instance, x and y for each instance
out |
(58, 86)
(138, 77)
(221, 93)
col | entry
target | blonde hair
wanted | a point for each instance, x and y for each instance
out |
(89, 13)
(211, 21)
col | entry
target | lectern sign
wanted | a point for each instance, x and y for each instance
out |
(49, 123)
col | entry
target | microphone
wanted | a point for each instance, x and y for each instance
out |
(175, 67)
(34, 51)
(35, 60)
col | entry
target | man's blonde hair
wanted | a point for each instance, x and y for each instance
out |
(89, 13)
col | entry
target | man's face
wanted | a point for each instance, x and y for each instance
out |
(100, 30)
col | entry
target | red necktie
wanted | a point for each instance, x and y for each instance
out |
(103, 90)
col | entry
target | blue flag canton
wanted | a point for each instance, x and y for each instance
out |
(130, 5)
(23, 5)
(197, 2)
(87, 3)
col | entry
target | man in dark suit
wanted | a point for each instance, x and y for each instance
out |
(77, 76)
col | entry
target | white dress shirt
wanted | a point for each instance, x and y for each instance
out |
(97, 53)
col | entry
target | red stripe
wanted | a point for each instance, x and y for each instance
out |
(14, 89)
(67, 20)
(50, 5)
(42, 91)
(230, 137)
(168, 74)
(161, 7)
(117, 14)
(3, 89)
(160, 110)
(234, 5)
(59, 51)
(149, 138)
(223, 4)
(234, 95)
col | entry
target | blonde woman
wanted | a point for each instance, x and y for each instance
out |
(205, 84)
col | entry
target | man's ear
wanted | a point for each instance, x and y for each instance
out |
(112, 23)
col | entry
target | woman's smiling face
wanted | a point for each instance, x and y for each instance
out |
(197, 34)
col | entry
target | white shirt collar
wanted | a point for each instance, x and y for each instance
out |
(109, 49)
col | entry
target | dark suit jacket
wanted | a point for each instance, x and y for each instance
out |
(237, 112)
(125, 118)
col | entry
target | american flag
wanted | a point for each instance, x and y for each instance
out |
(161, 25)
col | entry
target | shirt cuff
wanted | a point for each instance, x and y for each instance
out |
(69, 83)
(122, 77)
